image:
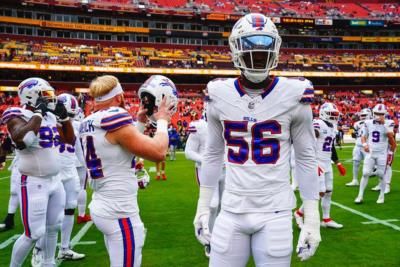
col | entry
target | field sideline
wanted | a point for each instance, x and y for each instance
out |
(370, 237)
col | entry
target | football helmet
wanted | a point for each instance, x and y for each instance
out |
(80, 115)
(329, 112)
(154, 90)
(143, 178)
(70, 103)
(365, 114)
(31, 89)
(255, 43)
(379, 112)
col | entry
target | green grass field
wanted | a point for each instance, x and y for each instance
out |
(168, 208)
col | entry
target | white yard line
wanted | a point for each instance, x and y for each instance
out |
(77, 238)
(366, 216)
(8, 241)
(4, 178)
(389, 220)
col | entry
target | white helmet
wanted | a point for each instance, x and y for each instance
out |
(31, 89)
(70, 104)
(329, 112)
(255, 33)
(80, 115)
(379, 111)
(365, 114)
(143, 178)
(153, 91)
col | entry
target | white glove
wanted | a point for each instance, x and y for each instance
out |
(201, 220)
(309, 236)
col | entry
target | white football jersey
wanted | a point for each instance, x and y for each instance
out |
(67, 152)
(42, 158)
(256, 137)
(110, 167)
(376, 134)
(196, 142)
(325, 140)
(358, 131)
(79, 158)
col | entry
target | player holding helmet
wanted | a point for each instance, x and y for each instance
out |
(379, 144)
(251, 122)
(110, 143)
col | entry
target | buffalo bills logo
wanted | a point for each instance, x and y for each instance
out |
(29, 84)
(167, 82)
(62, 99)
(258, 22)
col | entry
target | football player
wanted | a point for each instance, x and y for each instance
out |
(379, 144)
(173, 142)
(110, 143)
(358, 150)
(251, 121)
(194, 150)
(387, 178)
(81, 169)
(36, 128)
(325, 131)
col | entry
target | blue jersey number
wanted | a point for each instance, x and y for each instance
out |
(48, 137)
(93, 163)
(259, 143)
(375, 136)
(327, 147)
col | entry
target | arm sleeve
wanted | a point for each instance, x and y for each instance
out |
(214, 155)
(334, 156)
(192, 148)
(304, 142)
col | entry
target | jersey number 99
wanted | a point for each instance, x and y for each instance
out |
(258, 142)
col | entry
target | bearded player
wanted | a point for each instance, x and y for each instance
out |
(251, 121)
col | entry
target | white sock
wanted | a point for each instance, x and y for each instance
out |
(388, 175)
(21, 249)
(49, 246)
(66, 230)
(363, 185)
(40, 243)
(13, 203)
(382, 186)
(82, 202)
(356, 166)
(326, 205)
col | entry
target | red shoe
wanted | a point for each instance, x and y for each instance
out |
(158, 177)
(83, 219)
(164, 177)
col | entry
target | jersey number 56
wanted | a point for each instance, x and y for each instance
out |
(259, 144)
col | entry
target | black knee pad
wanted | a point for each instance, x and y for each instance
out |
(69, 211)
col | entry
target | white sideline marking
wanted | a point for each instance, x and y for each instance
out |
(77, 238)
(152, 169)
(9, 241)
(366, 216)
(82, 243)
(389, 220)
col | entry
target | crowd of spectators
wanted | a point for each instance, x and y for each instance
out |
(107, 56)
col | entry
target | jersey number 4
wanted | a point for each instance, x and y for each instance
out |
(259, 144)
(93, 162)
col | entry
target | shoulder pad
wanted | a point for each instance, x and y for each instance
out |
(216, 86)
(308, 93)
(302, 87)
(114, 118)
(10, 113)
(192, 127)
(316, 124)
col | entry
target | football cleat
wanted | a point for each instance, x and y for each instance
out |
(207, 250)
(8, 223)
(158, 177)
(381, 199)
(164, 177)
(83, 219)
(298, 216)
(358, 200)
(37, 257)
(376, 188)
(69, 254)
(353, 183)
(329, 223)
